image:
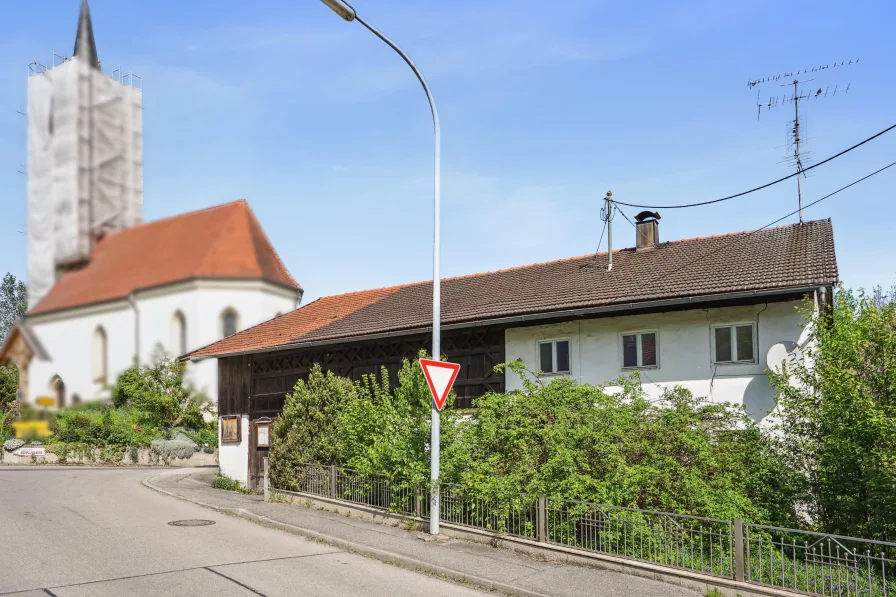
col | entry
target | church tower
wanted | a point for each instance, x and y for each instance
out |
(85, 161)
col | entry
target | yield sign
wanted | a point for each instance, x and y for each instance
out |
(439, 377)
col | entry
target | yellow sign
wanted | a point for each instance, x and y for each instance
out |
(32, 428)
(48, 401)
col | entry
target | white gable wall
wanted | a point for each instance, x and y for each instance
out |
(684, 349)
(68, 335)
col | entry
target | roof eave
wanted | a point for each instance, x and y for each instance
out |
(629, 306)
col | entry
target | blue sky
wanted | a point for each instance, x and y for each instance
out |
(544, 107)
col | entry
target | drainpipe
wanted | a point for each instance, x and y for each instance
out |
(133, 301)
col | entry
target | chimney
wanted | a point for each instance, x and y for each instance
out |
(647, 230)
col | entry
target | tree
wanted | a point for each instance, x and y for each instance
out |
(13, 303)
(307, 431)
(161, 395)
(837, 411)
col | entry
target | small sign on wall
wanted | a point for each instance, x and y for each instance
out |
(263, 434)
(230, 429)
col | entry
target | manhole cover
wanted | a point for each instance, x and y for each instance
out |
(194, 522)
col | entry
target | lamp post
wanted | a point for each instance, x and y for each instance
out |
(347, 12)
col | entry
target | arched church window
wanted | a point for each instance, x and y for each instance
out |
(57, 389)
(229, 322)
(178, 334)
(100, 355)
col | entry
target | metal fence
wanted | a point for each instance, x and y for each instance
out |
(802, 561)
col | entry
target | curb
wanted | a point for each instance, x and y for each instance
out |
(357, 548)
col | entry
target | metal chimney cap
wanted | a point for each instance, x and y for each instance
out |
(647, 214)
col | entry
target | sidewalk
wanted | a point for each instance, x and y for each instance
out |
(478, 564)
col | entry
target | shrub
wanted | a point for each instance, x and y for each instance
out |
(308, 428)
(102, 426)
(161, 396)
(224, 482)
(388, 433)
(578, 441)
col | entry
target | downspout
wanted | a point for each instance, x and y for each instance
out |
(133, 301)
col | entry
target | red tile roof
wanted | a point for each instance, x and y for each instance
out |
(219, 242)
(794, 256)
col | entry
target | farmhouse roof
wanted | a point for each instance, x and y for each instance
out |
(778, 259)
(225, 241)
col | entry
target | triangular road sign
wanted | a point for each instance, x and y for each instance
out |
(440, 377)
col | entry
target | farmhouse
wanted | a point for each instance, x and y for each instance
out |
(703, 313)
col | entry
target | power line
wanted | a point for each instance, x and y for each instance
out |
(742, 237)
(765, 186)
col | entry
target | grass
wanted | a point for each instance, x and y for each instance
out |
(226, 483)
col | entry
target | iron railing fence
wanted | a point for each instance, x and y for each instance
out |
(675, 540)
(801, 561)
(819, 563)
(512, 514)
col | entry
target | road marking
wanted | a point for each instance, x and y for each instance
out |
(236, 582)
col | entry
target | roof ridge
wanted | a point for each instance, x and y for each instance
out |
(562, 260)
(177, 216)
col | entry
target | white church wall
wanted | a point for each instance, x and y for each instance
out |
(68, 335)
(69, 339)
(684, 348)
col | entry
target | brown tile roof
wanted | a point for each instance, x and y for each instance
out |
(219, 242)
(776, 258)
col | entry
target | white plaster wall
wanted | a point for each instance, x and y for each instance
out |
(684, 348)
(233, 458)
(69, 342)
(67, 336)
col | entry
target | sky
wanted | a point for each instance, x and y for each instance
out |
(544, 107)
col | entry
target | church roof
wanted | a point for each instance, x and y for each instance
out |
(225, 241)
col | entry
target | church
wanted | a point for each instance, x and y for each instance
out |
(106, 288)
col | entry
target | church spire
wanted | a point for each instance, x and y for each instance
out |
(85, 46)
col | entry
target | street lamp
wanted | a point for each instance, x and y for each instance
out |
(345, 10)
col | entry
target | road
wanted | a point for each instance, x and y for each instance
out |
(77, 532)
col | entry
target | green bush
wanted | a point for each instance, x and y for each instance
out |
(837, 410)
(308, 428)
(160, 395)
(224, 482)
(103, 426)
(386, 432)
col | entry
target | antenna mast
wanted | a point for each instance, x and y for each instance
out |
(797, 137)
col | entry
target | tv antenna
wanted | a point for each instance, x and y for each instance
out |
(796, 138)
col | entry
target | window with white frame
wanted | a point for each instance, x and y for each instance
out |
(553, 356)
(734, 343)
(640, 349)
(229, 322)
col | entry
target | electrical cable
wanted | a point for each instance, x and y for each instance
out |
(743, 236)
(765, 186)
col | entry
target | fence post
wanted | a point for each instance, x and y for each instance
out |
(267, 482)
(418, 505)
(333, 481)
(739, 550)
(541, 519)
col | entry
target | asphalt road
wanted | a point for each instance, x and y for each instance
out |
(74, 532)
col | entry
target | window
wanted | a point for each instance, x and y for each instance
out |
(178, 334)
(229, 322)
(639, 350)
(734, 343)
(100, 355)
(553, 356)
